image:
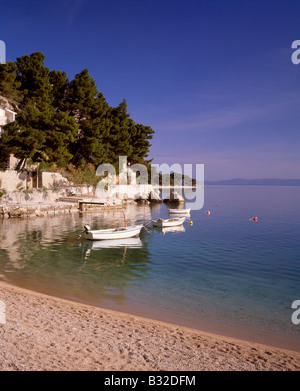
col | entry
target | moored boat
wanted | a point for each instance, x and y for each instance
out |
(112, 233)
(179, 211)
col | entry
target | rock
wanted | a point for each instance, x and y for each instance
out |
(154, 196)
(39, 213)
(142, 198)
(175, 198)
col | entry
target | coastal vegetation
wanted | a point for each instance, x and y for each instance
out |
(66, 125)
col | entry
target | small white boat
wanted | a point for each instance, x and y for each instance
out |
(112, 233)
(179, 211)
(169, 222)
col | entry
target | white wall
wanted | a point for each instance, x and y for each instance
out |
(2, 116)
(6, 115)
(10, 179)
(133, 192)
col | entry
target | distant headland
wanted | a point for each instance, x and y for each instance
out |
(256, 182)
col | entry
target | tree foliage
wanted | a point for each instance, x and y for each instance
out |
(66, 123)
(9, 85)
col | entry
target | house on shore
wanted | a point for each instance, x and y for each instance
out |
(7, 115)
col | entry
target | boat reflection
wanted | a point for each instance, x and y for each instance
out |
(179, 228)
(45, 255)
(128, 243)
(116, 243)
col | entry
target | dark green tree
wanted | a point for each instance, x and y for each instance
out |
(80, 96)
(92, 146)
(139, 140)
(60, 132)
(59, 83)
(66, 122)
(9, 85)
(40, 136)
(24, 138)
(119, 136)
(35, 81)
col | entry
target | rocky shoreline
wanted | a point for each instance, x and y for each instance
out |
(34, 208)
(42, 210)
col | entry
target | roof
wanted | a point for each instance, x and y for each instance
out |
(4, 107)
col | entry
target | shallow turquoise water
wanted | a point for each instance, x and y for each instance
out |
(225, 273)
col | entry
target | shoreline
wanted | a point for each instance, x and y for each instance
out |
(43, 332)
(36, 209)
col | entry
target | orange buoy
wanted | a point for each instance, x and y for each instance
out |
(208, 212)
(254, 218)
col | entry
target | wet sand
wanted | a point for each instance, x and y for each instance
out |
(44, 333)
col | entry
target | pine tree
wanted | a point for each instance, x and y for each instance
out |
(59, 83)
(140, 136)
(80, 96)
(94, 145)
(23, 138)
(66, 122)
(80, 101)
(41, 136)
(119, 137)
(9, 85)
(60, 132)
(35, 81)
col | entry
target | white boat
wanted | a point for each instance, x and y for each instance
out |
(112, 233)
(179, 211)
(169, 222)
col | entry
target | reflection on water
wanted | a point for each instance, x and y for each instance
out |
(45, 254)
(90, 246)
(165, 230)
(116, 243)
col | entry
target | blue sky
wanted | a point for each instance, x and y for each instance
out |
(214, 79)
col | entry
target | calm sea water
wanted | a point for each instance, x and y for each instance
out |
(224, 273)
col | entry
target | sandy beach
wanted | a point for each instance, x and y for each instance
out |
(43, 333)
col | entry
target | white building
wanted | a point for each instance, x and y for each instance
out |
(6, 115)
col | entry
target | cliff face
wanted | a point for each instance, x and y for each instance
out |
(257, 182)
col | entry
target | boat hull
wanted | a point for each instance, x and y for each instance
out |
(115, 233)
(179, 211)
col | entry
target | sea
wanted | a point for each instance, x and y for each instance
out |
(220, 272)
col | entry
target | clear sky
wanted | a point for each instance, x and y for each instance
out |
(213, 78)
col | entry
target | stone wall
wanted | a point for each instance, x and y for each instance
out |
(11, 180)
(49, 180)
(44, 195)
(49, 186)
(12, 162)
(53, 179)
(129, 192)
(10, 211)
